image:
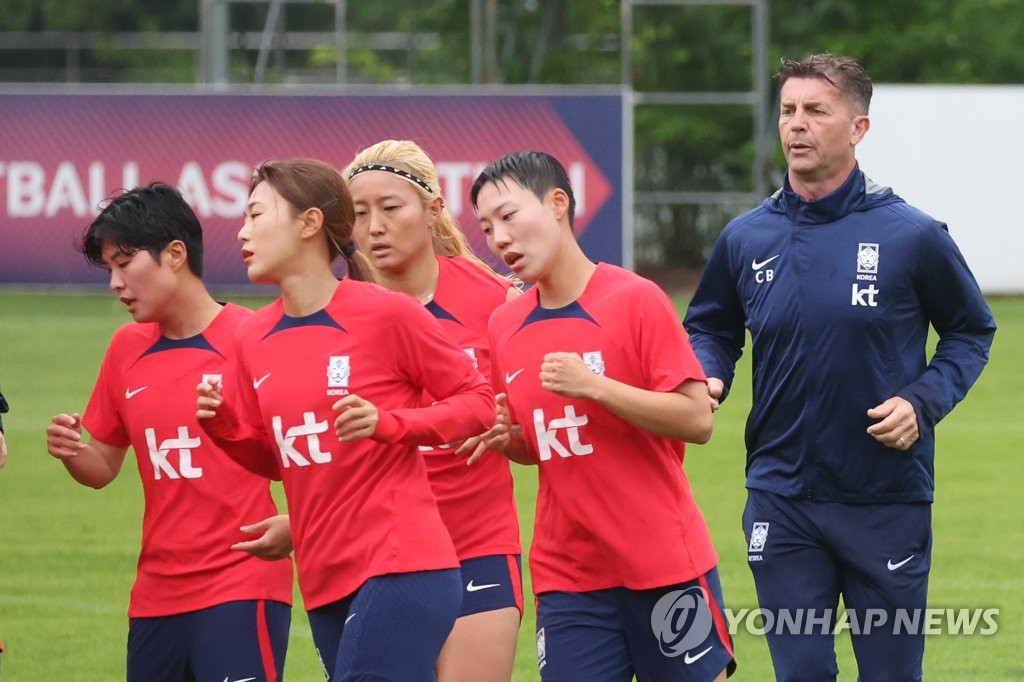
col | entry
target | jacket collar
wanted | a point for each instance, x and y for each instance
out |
(852, 195)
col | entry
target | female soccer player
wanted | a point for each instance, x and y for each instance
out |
(601, 391)
(416, 248)
(198, 610)
(377, 569)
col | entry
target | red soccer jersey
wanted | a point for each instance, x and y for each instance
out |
(363, 508)
(477, 503)
(196, 497)
(614, 508)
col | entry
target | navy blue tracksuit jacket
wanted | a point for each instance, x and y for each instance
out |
(838, 294)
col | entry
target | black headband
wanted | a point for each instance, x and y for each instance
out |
(391, 169)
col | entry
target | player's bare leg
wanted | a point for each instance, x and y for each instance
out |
(481, 647)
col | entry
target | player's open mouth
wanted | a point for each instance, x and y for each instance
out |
(511, 258)
(246, 255)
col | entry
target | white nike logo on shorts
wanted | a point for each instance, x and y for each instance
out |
(509, 378)
(476, 588)
(688, 659)
(892, 567)
(256, 383)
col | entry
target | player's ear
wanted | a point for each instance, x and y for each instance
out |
(434, 209)
(176, 254)
(312, 221)
(559, 202)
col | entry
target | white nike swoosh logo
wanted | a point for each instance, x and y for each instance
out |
(476, 588)
(129, 394)
(350, 617)
(892, 567)
(510, 377)
(256, 383)
(757, 266)
(688, 659)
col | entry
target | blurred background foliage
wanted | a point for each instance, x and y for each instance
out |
(693, 148)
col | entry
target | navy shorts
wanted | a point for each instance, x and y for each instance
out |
(238, 640)
(391, 628)
(491, 582)
(677, 632)
(804, 554)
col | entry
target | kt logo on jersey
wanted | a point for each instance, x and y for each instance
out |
(183, 442)
(159, 450)
(548, 441)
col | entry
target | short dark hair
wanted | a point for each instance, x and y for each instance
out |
(844, 73)
(538, 172)
(145, 218)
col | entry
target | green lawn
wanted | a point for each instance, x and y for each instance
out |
(67, 553)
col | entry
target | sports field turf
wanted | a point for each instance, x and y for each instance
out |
(67, 553)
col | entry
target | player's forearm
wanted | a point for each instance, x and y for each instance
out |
(462, 415)
(684, 414)
(515, 448)
(90, 468)
(245, 446)
(245, 443)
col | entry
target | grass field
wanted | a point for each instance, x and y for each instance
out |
(67, 553)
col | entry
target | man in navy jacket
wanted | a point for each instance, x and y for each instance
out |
(837, 280)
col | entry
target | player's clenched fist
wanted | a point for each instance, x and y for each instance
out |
(357, 419)
(64, 435)
(567, 375)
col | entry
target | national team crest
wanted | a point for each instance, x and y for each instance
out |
(338, 371)
(867, 258)
(758, 536)
(471, 352)
(594, 361)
